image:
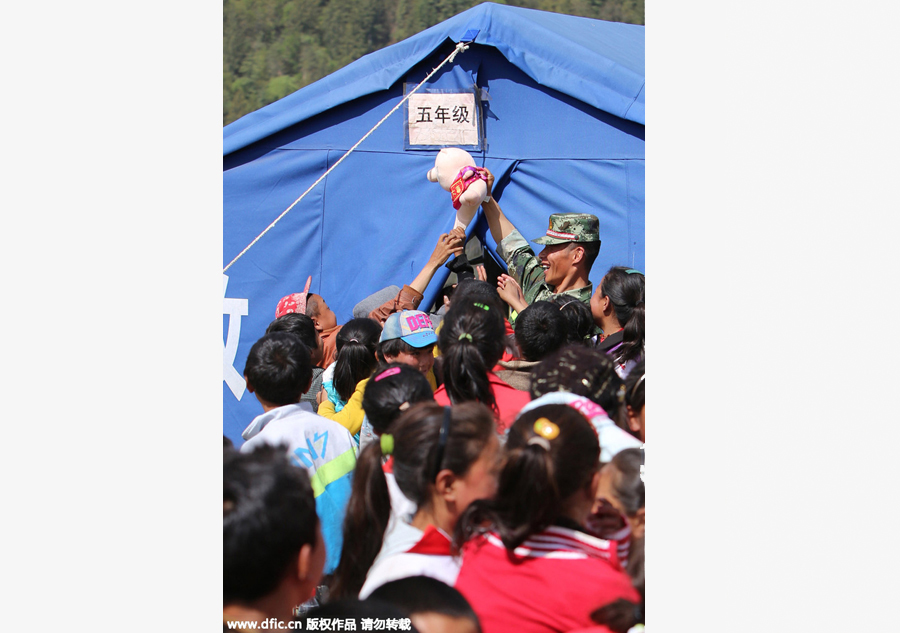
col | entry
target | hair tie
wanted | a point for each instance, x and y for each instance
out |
(404, 406)
(353, 340)
(567, 303)
(464, 335)
(481, 305)
(539, 441)
(546, 429)
(387, 444)
(393, 371)
(632, 271)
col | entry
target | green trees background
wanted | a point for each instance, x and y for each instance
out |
(275, 47)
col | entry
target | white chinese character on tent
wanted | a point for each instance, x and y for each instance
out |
(235, 309)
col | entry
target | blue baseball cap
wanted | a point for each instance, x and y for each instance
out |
(411, 326)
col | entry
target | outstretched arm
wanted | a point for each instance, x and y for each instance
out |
(497, 222)
(448, 244)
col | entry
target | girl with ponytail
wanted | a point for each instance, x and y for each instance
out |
(344, 381)
(471, 342)
(443, 460)
(618, 308)
(528, 562)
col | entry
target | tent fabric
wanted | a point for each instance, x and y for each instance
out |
(564, 132)
(599, 63)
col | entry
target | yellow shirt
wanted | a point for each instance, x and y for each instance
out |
(351, 416)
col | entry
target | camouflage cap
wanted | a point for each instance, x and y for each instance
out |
(571, 227)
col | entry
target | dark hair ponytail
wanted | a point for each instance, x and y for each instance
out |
(416, 452)
(471, 343)
(391, 387)
(535, 482)
(355, 342)
(625, 289)
(368, 513)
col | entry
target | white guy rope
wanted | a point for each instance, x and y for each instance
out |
(459, 49)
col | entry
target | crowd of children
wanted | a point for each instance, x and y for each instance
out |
(481, 475)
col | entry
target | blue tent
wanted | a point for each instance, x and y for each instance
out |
(563, 121)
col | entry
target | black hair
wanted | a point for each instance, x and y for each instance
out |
(269, 514)
(584, 372)
(279, 368)
(391, 386)
(626, 479)
(481, 291)
(415, 437)
(298, 324)
(540, 330)
(312, 305)
(535, 482)
(620, 616)
(355, 343)
(355, 609)
(579, 322)
(471, 341)
(394, 347)
(634, 387)
(227, 443)
(422, 594)
(626, 293)
(591, 250)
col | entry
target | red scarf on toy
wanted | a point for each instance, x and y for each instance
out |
(466, 176)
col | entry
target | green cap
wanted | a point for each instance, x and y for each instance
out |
(571, 227)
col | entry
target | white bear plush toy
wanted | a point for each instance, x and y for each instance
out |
(456, 172)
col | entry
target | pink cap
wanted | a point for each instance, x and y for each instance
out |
(293, 303)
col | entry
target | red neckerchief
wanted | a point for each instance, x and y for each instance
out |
(466, 176)
(433, 542)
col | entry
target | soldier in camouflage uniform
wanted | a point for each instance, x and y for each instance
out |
(571, 245)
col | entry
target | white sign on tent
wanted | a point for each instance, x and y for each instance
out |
(438, 119)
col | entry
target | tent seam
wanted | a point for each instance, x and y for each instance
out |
(633, 101)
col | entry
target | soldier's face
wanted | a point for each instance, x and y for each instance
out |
(556, 260)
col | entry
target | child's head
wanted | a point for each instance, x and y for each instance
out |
(392, 390)
(634, 399)
(433, 606)
(445, 454)
(540, 330)
(621, 485)
(579, 323)
(408, 337)
(272, 541)
(622, 292)
(278, 369)
(356, 343)
(473, 290)
(303, 327)
(322, 316)
(550, 471)
(444, 459)
(354, 610)
(584, 372)
(471, 343)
